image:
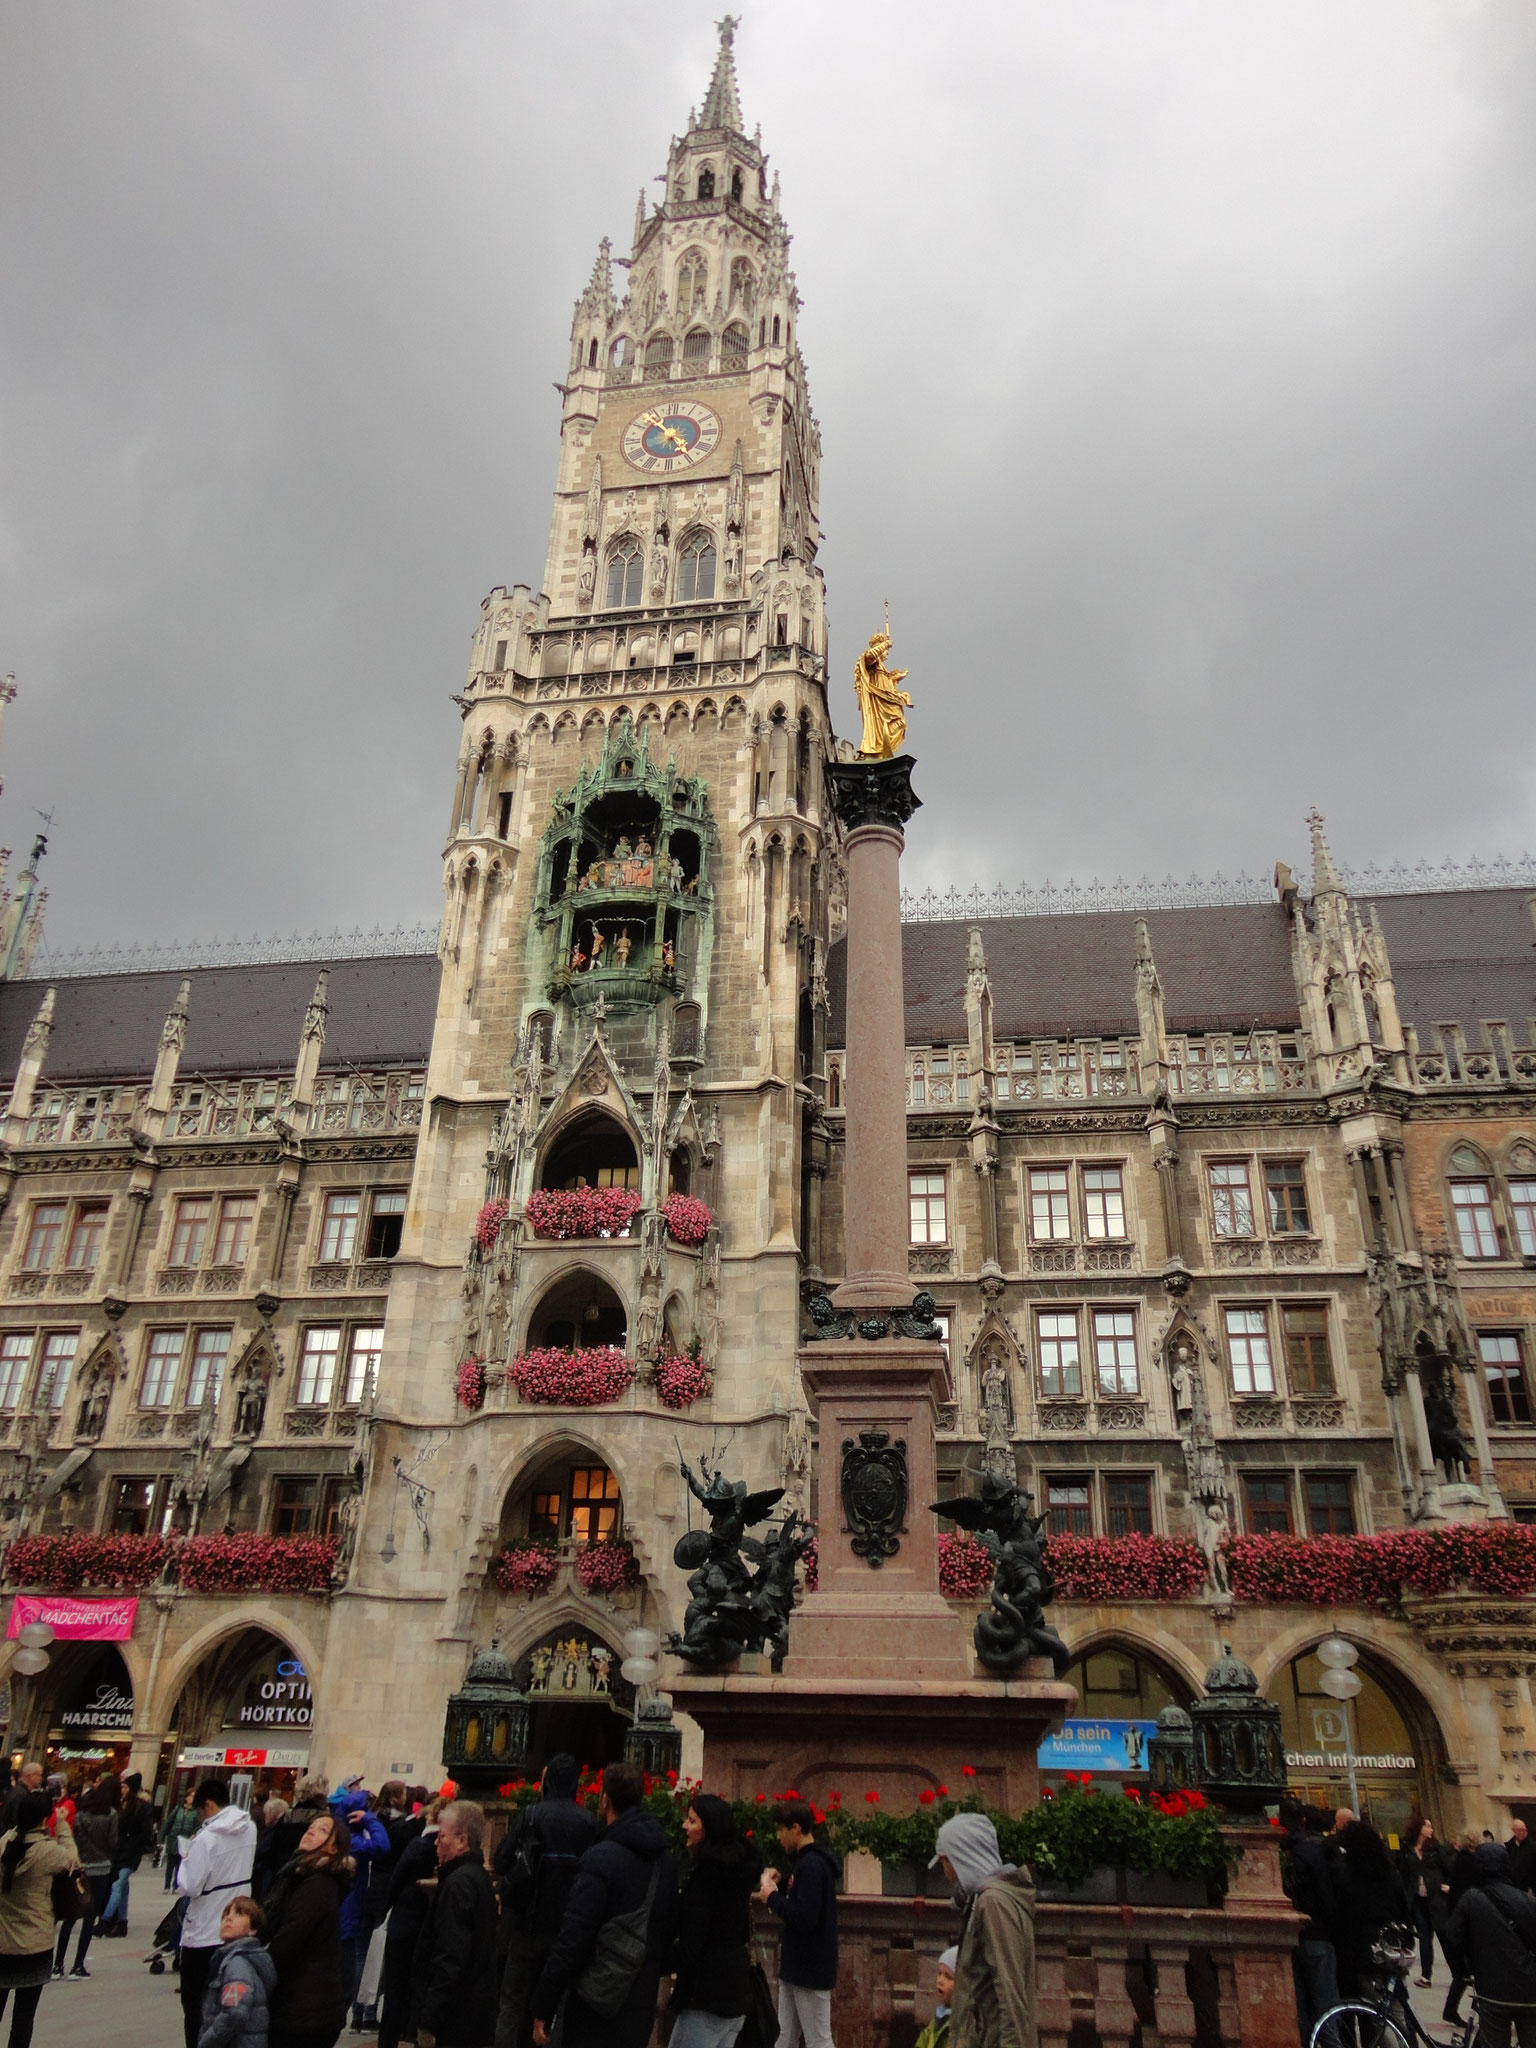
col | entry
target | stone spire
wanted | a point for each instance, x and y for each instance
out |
(173, 1040)
(722, 103)
(311, 1045)
(34, 1051)
(1150, 1019)
(597, 299)
(1325, 876)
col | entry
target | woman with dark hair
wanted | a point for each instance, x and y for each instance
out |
(95, 1832)
(1370, 1895)
(309, 2006)
(1422, 1867)
(29, 1862)
(712, 1960)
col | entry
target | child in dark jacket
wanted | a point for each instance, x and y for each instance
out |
(240, 1982)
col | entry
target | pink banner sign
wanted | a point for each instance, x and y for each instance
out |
(75, 1621)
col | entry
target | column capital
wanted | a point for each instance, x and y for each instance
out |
(873, 792)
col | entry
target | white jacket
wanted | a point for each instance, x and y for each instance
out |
(215, 1868)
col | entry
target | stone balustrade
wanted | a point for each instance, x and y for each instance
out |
(1185, 1977)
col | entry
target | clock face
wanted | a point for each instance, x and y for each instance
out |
(672, 434)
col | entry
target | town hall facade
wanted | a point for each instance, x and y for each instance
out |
(447, 1261)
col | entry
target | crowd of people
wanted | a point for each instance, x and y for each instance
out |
(384, 1911)
(1471, 1898)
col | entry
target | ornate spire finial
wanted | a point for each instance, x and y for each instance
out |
(173, 1033)
(1325, 876)
(722, 103)
(319, 1009)
(40, 1030)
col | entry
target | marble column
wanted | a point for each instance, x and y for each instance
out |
(874, 799)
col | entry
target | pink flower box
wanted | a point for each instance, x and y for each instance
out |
(581, 1212)
(607, 1567)
(681, 1380)
(572, 1379)
(527, 1567)
(687, 1218)
(488, 1224)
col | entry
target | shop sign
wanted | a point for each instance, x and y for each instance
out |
(107, 1708)
(1097, 1746)
(278, 1696)
(1339, 1760)
(243, 1759)
(75, 1621)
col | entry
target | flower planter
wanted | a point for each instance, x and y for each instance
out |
(913, 1881)
(1111, 1884)
(559, 1213)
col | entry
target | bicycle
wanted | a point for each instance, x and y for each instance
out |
(1389, 2021)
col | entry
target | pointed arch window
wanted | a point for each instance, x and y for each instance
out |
(692, 282)
(696, 568)
(626, 573)
(734, 344)
(696, 345)
(658, 356)
(707, 182)
(736, 186)
(619, 356)
(743, 284)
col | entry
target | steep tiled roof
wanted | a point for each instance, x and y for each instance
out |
(1462, 956)
(240, 1019)
(1224, 968)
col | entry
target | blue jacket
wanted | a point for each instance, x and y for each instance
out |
(808, 1907)
(369, 1840)
(240, 1985)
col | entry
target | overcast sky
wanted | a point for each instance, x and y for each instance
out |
(1174, 363)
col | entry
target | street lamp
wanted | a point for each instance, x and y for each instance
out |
(1342, 1682)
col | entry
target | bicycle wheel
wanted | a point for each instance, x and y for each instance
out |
(1357, 2026)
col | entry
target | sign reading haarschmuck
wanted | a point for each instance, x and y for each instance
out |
(75, 1621)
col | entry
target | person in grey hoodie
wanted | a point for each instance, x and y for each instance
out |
(994, 1996)
(238, 2000)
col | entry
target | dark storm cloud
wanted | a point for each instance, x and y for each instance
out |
(1174, 364)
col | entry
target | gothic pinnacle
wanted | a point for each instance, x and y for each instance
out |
(722, 103)
(1325, 876)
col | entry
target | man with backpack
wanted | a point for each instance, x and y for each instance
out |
(535, 1865)
(616, 1933)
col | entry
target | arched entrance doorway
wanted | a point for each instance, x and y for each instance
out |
(1388, 1727)
(581, 1705)
(90, 1717)
(1121, 1690)
(246, 1711)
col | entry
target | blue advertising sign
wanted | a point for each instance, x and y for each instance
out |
(1098, 1746)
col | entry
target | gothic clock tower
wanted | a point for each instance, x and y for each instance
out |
(633, 1001)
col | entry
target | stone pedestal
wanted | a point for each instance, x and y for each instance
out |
(885, 1617)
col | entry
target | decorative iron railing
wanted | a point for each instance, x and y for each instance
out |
(1052, 899)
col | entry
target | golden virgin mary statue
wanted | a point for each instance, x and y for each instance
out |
(880, 700)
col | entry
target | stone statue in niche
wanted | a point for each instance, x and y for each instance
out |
(1446, 1442)
(1211, 1530)
(1181, 1370)
(251, 1408)
(1022, 1587)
